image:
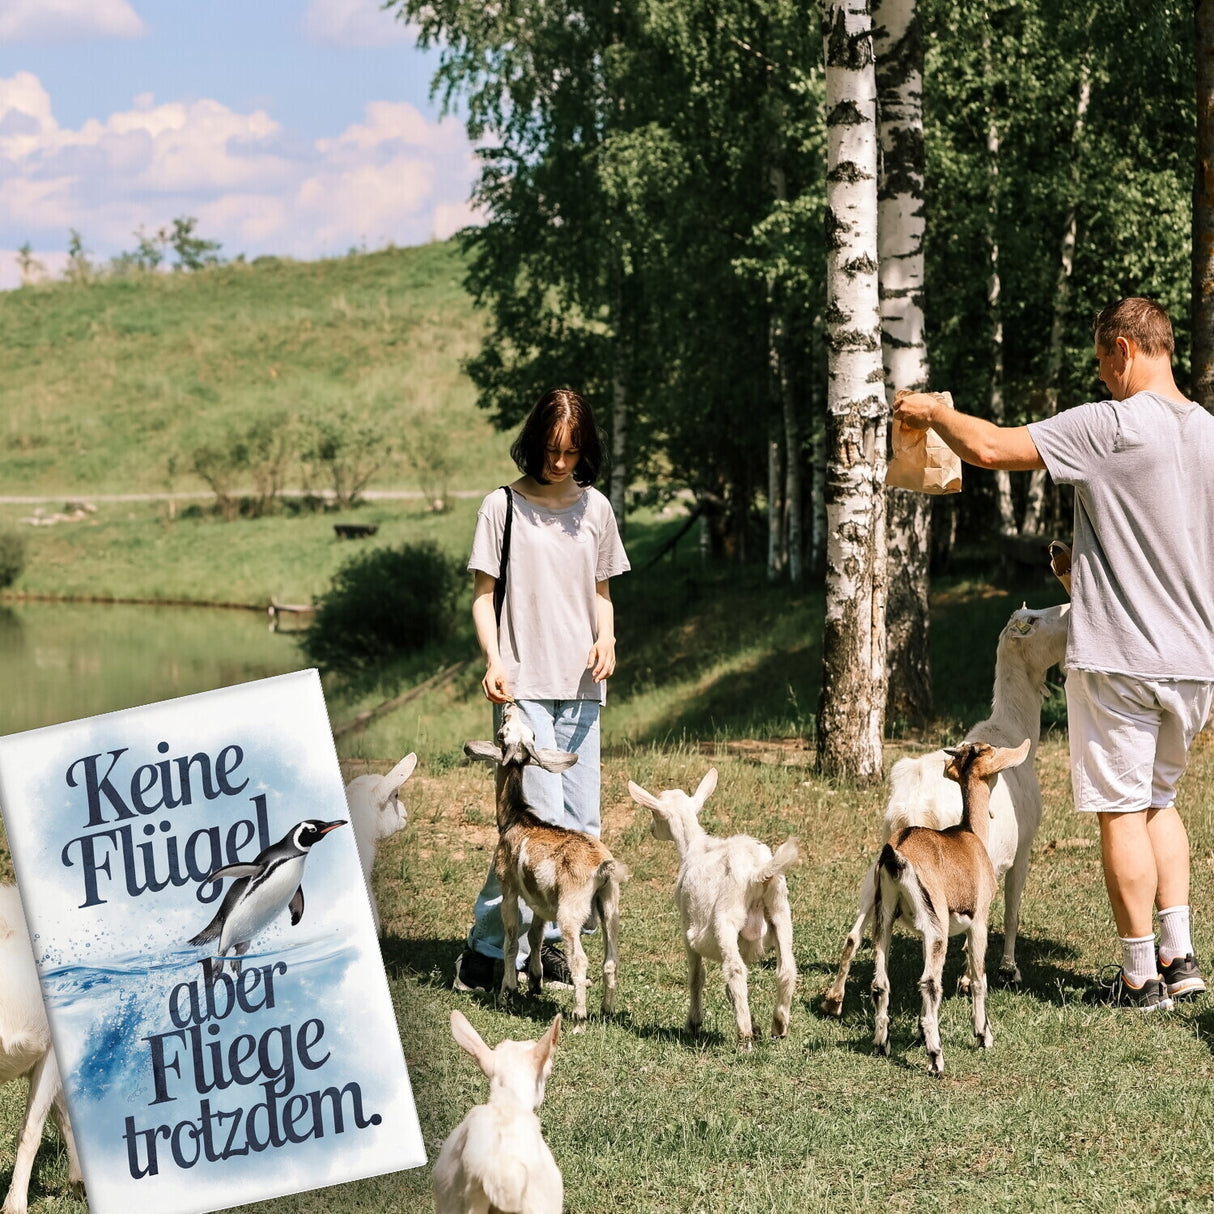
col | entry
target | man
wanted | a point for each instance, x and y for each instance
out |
(1140, 655)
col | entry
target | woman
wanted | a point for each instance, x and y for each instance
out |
(553, 647)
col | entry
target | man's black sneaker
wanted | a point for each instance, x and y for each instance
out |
(1182, 977)
(1151, 996)
(555, 966)
(475, 972)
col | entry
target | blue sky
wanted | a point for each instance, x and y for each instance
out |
(296, 127)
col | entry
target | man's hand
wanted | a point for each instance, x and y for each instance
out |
(494, 684)
(916, 409)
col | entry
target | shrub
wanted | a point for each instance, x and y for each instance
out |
(383, 604)
(12, 557)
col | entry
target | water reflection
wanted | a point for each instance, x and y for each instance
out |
(60, 661)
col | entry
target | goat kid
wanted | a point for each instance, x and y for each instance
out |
(732, 899)
(563, 875)
(25, 1049)
(496, 1159)
(941, 883)
(1031, 642)
(377, 813)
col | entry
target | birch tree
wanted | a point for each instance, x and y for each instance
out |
(852, 705)
(900, 226)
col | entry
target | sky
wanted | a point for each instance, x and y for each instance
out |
(300, 128)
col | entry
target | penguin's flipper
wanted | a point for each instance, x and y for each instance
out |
(296, 906)
(210, 932)
(233, 870)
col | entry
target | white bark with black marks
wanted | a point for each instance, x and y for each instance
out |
(852, 705)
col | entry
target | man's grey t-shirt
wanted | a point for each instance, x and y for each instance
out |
(549, 616)
(1142, 574)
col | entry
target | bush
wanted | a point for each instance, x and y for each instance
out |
(382, 604)
(12, 557)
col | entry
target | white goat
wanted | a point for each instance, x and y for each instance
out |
(25, 1049)
(732, 898)
(496, 1159)
(563, 875)
(940, 883)
(377, 813)
(1030, 643)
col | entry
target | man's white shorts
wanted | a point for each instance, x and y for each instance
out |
(1130, 737)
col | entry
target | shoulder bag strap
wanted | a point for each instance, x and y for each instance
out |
(499, 589)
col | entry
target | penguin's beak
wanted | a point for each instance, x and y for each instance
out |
(328, 826)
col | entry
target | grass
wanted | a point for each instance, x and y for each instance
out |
(1075, 1108)
(108, 387)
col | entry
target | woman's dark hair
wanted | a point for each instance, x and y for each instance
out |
(557, 409)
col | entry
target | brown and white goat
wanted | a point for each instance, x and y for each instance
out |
(733, 902)
(563, 875)
(941, 883)
(919, 795)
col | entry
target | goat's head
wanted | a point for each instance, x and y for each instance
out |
(391, 814)
(1037, 638)
(519, 1068)
(515, 744)
(982, 761)
(674, 802)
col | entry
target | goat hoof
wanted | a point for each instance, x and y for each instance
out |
(746, 1044)
(832, 1006)
(1009, 975)
(881, 1050)
(936, 1067)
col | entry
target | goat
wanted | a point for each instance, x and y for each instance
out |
(1030, 643)
(25, 1049)
(563, 875)
(377, 813)
(940, 883)
(732, 899)
(496, 1159)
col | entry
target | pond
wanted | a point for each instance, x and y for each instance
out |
(61, 661)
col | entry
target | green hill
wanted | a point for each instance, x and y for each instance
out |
(109, 387)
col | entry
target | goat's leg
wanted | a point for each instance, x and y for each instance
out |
(607, 905)
(579, 963)
(44, 1081)
(832, 1001)
(786, 966)
(883, 930)
(1013, 888)
(509, 914)
(931, 984)
(738, 991)
(977, 963)
(695, 989)
(535, 960)
(59, 1108)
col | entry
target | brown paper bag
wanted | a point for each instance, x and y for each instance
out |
(921, 459)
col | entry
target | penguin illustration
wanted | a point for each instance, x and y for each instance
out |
(262, 889)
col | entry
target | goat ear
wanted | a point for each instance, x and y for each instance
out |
(1014, 757)
(551, 760)
(387, 787)
(545, 1045)
(483, 752)
(641, 797)
(469, 1040)
(706, 787)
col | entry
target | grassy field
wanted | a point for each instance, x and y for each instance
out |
(1075, 1108)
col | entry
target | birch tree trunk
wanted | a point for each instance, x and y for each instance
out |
(1203, 211)
(1062, 291)
(851, 709)
(1003, 482)
(899, 66)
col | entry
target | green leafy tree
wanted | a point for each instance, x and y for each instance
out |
(191, 251)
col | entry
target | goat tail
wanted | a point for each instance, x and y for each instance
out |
(613, 869)
(787, 854)
(892, 862)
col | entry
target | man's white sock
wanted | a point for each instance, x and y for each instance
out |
(1174, 938)
(1138, 958)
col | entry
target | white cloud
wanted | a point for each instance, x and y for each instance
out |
(355, 23)
(68, 20)
(395, 177)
